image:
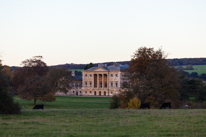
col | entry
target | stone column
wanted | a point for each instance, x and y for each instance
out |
(102, 81)
(92, 80)
(97, 80)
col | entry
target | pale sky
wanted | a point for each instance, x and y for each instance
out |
(84, 31)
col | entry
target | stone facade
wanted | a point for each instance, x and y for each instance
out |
(99, 81)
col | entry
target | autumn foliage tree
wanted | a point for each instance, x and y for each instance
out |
(30, 81)
(34, 87)
(149, 75)
(35, 80)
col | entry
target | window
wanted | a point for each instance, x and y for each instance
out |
(85, 75)
(80, 91)
(90, 75)
(85, 84)
(85, 92)
(90, 92)
(116, 75)
(73, 92)
(111, 75)
(90, 84)
(67, 92)
(77, 84)
(73, 84)
(111, 84)
(111, 92)
(100, 84)
(116, 85)
(60, 92)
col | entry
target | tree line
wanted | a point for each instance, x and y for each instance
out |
(170, 62)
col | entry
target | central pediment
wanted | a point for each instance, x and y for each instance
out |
(100, 69)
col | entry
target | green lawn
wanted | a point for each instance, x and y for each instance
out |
(65, 102)
(84, 121)
(197, 68)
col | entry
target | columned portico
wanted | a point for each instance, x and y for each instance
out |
(102, 80)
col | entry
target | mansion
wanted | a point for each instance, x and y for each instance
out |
(97, 81)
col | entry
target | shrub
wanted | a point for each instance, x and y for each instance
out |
(153, 103)
(122, 106)
(125, 97)
(115, 102)
(204, 104)
(134, 103)
(192, 104)
(7, 105)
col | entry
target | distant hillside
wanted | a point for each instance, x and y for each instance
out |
(82, 66)
(171, 62)
(186, 61)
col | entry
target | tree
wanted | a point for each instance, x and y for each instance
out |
(184, 90)
(7, 105)
(189, 67)
(59, 79)
(78, 73)
(149, 75)
(191, 88)
(30, 81)
(34, 87)
(6, 70)
(203, 76)
(179, 68)
(90, 65)
(115, 102)
(197, 89)
(194, 75)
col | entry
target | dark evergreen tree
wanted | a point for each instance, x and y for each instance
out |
(7, 105)
(90, 65)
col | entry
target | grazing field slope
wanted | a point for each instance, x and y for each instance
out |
(86, 121)
(198, 68)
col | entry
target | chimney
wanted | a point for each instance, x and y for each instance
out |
(102, 65)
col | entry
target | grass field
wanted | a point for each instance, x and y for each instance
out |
(65, 102)
(197, 68)
(76, 69)
(86, 121)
